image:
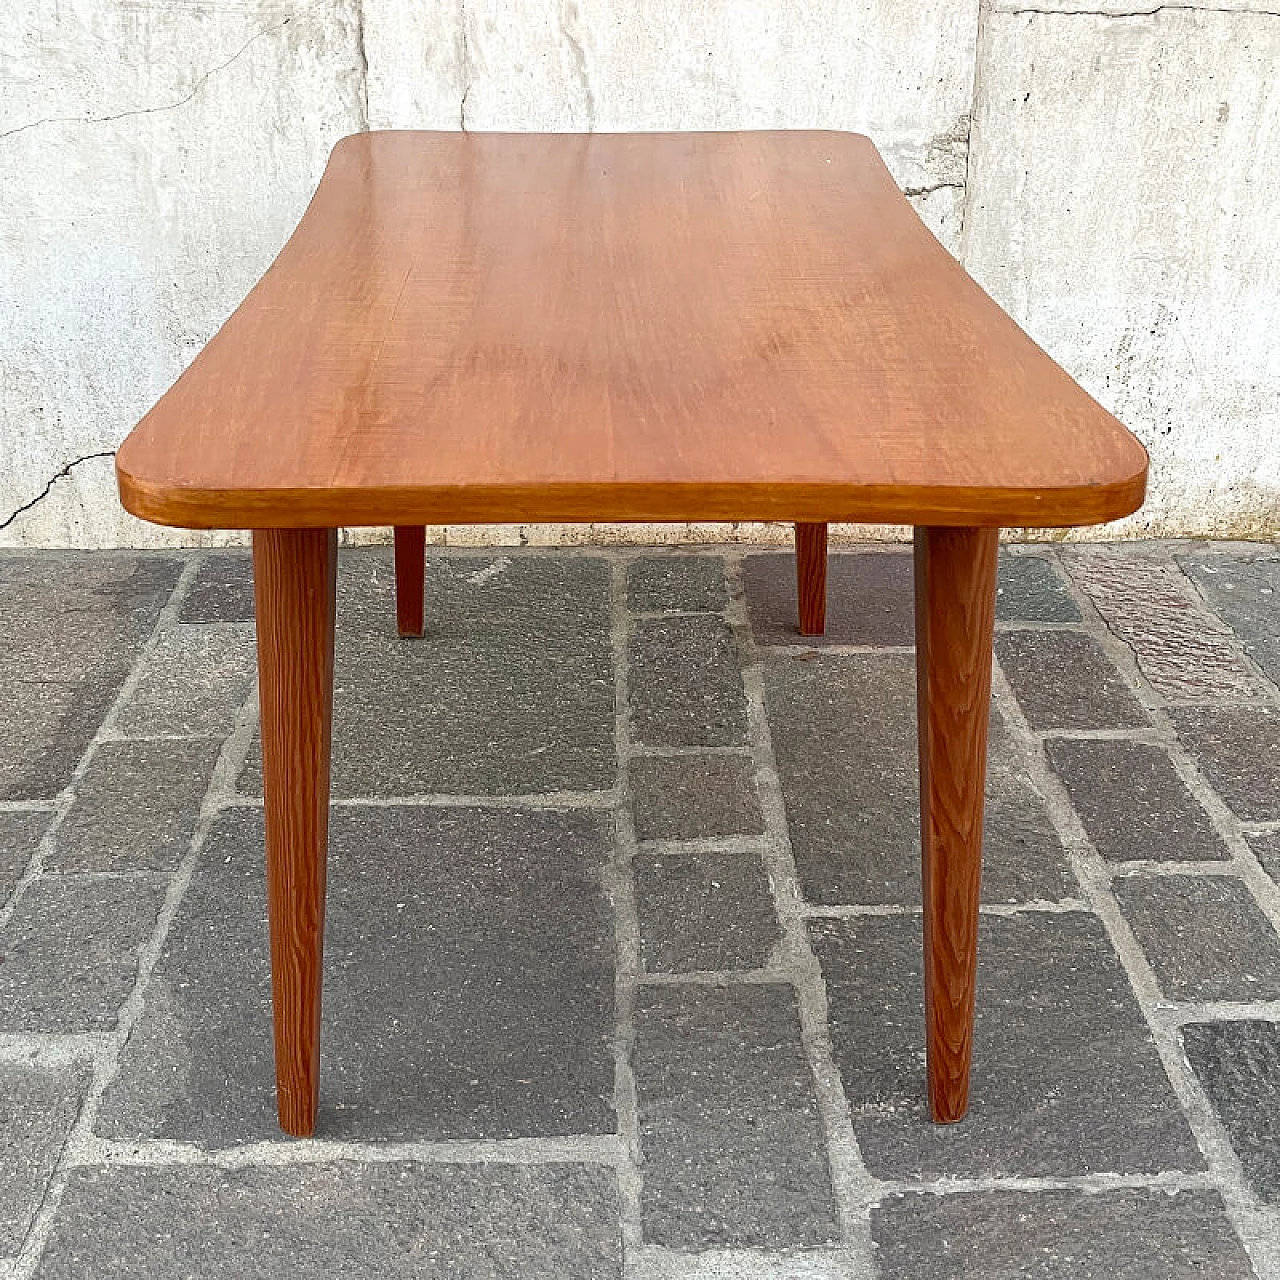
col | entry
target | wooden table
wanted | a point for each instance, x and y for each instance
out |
(650, 327)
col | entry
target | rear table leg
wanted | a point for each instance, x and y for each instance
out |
(955, 576)
(294, 573)
(811, 577)
(411, 542)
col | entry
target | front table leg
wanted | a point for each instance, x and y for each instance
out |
(294, 579)
(955, 619)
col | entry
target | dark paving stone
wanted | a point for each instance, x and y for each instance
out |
(70, 953)
(74, 624)
(1066, 1079)
(691, 797)
(38, 1106)
(19, 835)
(222, 591)
(344, 1221)
(1205, 936)
(844, 734)
(685, 686)
(843, 731)
(1238, 751)
(1245, 594)
(870, 599)
(1266, 848)
(136, 806)
(704, 911)
(1063, 680)
(510, 690)
(1239, 1066)
(469, 985)
(1184, 652)
(1030, 589)
(687, 584)
(1058, 1235)
(733, 1148)
(1022, 859)
(1132, 802)
(193, 682)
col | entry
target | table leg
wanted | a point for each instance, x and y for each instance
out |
(811, 577)
(955, 573)
(411, 544)
(294, 577)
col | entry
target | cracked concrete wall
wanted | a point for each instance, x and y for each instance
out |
(1110, 178)
(153, 159)
(1124, 206)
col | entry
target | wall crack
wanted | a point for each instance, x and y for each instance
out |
(362, 55)
(1140, 13)
(568, 19)
(975, 100)
(465, 59)
(53, 479)
(910, 192)
(170, 106)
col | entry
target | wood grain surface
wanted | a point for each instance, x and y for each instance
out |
(520, 327)
(294, 577)
(955, 583)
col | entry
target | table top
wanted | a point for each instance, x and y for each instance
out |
(530, 327)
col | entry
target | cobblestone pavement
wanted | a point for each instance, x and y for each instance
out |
(623, 958)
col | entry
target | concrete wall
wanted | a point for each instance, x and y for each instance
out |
(1112, 177)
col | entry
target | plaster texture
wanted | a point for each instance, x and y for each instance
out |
(1106, 170)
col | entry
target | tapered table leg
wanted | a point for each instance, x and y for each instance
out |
(955, 575)
(411, 554)
(294, 576)
(811, 577)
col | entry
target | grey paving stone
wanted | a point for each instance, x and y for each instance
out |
(19, 835)
(870, 599)
(686, 584)
(685, 685)
(1238, 751)
(509, 691)
(70, 953)
(343, 1221)
(136, 806)
(222, 590)
(1205, 936)
(193, 682)
(38, 1106)
(1183, 651)
(1030, 589)
(844, 735)
(1266, 849)
(690, 797)
(1132, 802)
(733, 1148)
(1063, 680)
(1239, 1066)
(704, 911)
(74, 624)
(1058, 1235)
(1022, 859)
(469, 985)
(1245, 594)
(1066, 1079)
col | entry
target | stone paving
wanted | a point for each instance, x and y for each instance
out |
(623, 970)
